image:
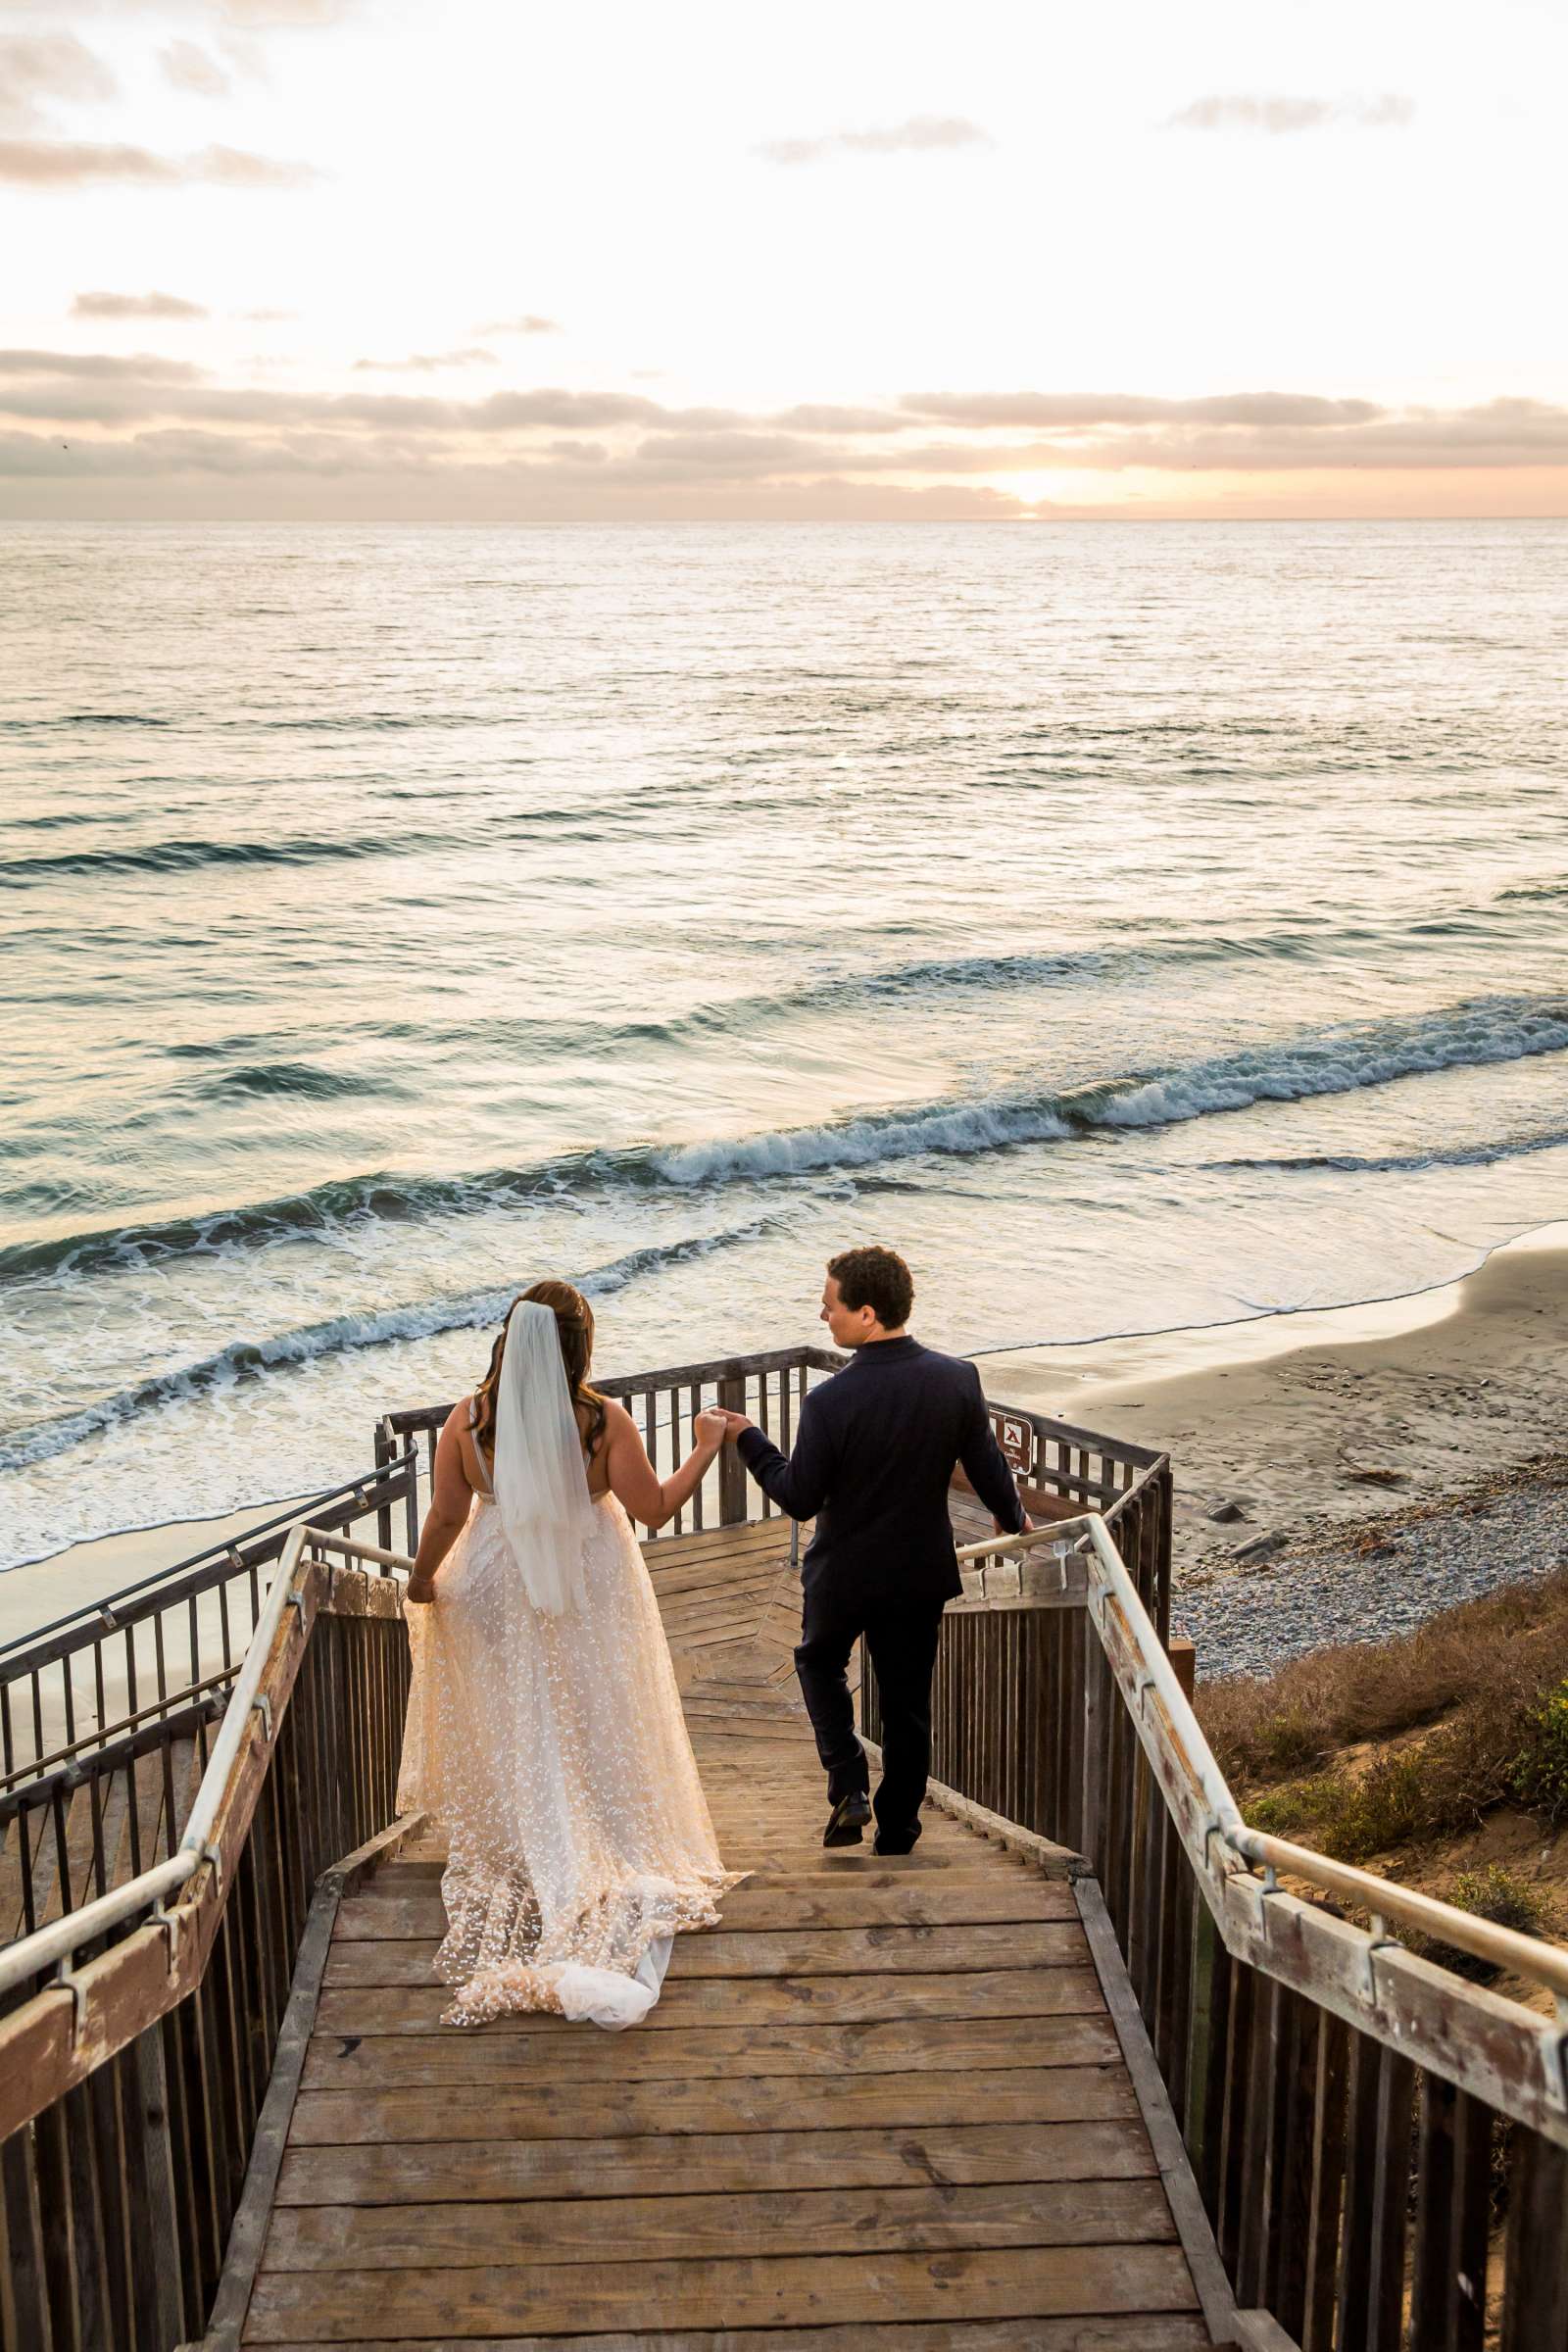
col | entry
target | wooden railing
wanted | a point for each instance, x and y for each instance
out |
(1355, 2116)
(1052, 1458)
(108, 1715)
(134, 2063)
(110, 1666)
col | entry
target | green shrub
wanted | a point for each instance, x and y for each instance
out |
(1493, 1894)
(1540, 1775)
(1345, 1817)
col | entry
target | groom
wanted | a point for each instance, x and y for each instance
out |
(872, 1461)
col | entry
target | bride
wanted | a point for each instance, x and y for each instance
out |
(545, 1730)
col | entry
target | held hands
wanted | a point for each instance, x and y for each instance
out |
(718, 1427)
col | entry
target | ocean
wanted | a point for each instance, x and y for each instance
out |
(1138, 926)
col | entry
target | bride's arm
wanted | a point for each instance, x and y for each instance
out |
(450, 1498)
(633, 1480)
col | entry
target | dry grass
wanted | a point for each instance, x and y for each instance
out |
(1497, 1656)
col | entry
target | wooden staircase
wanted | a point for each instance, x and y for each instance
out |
(885, 2103)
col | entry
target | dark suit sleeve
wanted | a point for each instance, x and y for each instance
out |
(800, 1486)
(985, 1465)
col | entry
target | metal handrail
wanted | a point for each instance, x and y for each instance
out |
(52, 1945)
(1528, 1956)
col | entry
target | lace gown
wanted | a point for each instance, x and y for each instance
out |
(553, 1752)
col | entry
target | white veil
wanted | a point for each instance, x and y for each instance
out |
(541, 1485)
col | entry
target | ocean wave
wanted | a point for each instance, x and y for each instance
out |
(190, 857)
(1334, 1062)
(299, 1079)
(1337, 1061)
(1390, 1163)
(249, 1359)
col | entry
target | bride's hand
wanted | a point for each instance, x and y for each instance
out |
(420, 1590)
(712, 1428)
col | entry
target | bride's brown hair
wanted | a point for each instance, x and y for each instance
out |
(574, 1328)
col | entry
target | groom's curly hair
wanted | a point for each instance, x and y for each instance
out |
(876, 1278)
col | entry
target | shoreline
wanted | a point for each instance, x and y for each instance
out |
(1299, 1419)
(1291, 1425)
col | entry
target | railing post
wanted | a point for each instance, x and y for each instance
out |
(732, 1480)
(383, 1455)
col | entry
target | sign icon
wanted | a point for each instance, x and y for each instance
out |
(1017, 1438)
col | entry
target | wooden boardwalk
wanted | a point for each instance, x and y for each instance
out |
(884, 2104)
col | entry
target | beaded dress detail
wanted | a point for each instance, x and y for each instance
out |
(552, 1749)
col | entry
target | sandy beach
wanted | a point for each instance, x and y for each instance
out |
(36, 1594)
(1343, 1474)
(1334, 1415)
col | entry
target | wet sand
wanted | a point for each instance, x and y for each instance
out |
(1303, 1420)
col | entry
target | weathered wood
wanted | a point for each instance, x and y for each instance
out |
(480, 2170)
(386, 1914)
(701, 2224)
(597, 2110)
(1209, 2279)
(1077, 2034)
(867, 1995)
(1045, 2282)
(1534, 2313)
(1162, 2331)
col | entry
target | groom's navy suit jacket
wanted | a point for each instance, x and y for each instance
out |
(874, 1452)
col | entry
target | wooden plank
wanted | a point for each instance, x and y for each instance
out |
(1201, 2255)
(601, 2110)
(791, 1955)
(812, 1951)
(387, 1912)
(1159, 2332)
(1079, 2035)
(242, 2259)
(483, 2171)
(737, 2000)
(1534, 2314)
(700, 2226)
(331, 2307)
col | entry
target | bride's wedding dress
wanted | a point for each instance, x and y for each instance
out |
(550, 1744)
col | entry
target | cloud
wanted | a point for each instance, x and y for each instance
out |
(1387, 111)
(43, 67)
(77, 162)
(921, 133)
(822, 417)
(1080, 409)
(528, 325)
(138, 367)
(137, 306)
(559, 452)
(189, 66)
(426, 362)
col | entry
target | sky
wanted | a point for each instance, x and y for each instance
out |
(497, 261)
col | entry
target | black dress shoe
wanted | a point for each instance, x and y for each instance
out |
(890, 1845)
(848, 1819)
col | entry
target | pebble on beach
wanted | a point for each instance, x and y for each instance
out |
(1250, 1608)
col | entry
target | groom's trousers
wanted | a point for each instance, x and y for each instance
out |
(901, 1641)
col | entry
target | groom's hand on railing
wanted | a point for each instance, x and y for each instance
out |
(1027, 1529)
